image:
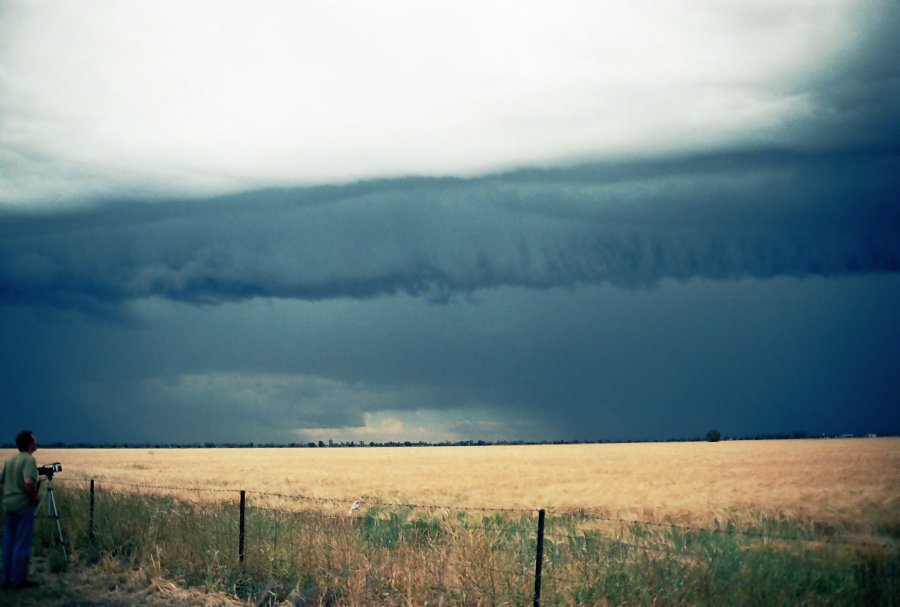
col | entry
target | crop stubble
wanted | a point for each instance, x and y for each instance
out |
(839, 481)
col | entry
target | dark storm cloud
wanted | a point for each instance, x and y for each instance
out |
(756, 214)
(748, 356)
(743, 273)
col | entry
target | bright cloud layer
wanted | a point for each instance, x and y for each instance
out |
(204, 97)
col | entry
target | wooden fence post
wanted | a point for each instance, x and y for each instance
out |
(539, 559)
(91, 516)
(242, 524)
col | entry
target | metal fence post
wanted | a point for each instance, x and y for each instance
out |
(91, 517)
(539, 559)
(243, 521)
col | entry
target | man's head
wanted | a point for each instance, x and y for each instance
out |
(25, 441)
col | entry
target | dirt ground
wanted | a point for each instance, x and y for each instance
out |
(107, 585)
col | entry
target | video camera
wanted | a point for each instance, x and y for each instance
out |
(50, 469)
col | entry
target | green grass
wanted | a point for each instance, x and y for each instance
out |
(401, 555)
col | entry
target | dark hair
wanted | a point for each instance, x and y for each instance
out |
(23, 440)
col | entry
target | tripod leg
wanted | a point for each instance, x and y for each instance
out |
(51, 503)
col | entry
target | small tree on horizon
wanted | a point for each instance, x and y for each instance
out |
(713, 436)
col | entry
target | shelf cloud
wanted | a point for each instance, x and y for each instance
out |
(757, 215)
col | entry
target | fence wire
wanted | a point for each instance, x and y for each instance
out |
(802, 535)
(357, 507)
(365, 550)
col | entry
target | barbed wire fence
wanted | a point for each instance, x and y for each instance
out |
(394, 552)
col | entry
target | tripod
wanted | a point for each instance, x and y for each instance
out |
(53, 513)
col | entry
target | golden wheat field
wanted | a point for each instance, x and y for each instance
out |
(839, 480)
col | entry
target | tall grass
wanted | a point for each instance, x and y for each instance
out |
(400, 555)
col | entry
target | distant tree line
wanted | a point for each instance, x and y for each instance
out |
(711, 436)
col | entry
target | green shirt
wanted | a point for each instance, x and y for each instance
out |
(15, 471)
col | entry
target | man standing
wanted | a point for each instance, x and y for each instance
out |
(19, 485)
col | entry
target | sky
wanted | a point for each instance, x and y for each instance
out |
(297, 221)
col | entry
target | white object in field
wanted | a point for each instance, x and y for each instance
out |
(355, 507)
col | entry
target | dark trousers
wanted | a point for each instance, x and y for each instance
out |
(18, 533)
